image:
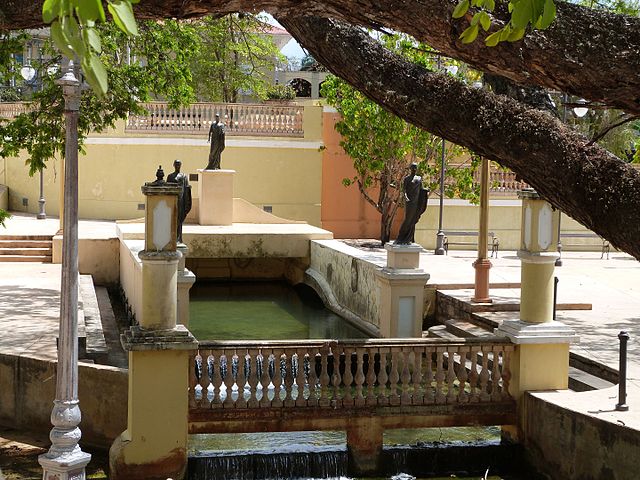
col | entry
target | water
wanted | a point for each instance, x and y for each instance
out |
(261, 311)
(276, 311)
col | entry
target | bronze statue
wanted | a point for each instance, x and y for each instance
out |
(184, 197)
(415, 204)
(216, 137)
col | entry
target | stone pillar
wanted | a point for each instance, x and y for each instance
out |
(541, 357)
(401, 285)
(482, 263)
(154, 445)
(215, 192)
(186, 279)
(364, 446)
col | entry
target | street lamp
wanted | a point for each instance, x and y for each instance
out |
(28, 73)
(65, 460)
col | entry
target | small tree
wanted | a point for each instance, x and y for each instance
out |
(382, 146)
(237, 55)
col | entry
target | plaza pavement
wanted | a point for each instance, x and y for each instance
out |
(29, 305)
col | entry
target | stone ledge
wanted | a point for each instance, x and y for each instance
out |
(178, 338)
(520, 332)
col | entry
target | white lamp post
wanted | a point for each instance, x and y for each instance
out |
(65, 460)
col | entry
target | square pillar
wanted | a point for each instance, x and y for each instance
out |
(215, 191)
(401, 286)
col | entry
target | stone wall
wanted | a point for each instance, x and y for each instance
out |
(570, 444)
(28, 391)
(351, 276)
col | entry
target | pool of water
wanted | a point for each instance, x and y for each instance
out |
(261, 311)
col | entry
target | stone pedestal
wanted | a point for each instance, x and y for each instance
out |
(215, 192)
(186, 279)
(481, 291)
(401, 286)
(364, 446)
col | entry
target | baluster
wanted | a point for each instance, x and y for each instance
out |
(484, 376)
(506, 371)
(196, 394)
(312, 380)
(416, 378)
(301, 357)
(288, 378)
(265, 379)
(324, 377)
(336, 378)
(252, 402)
(228, 379)
(371, 377)
(277, 379)
(241, 379)
(215, 376)
(347, 381)
(496, 394)
(383, 378)
(451, 376)
(474, 390)
(359, 377)
(440, 375)
(429, 396)
(463, 397)
(394, 378)
(405, 398)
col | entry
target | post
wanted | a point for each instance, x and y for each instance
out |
(65, 460)
(622, 381)
(41, 201)
(541, 358)
(483, 264)
(440, 234)
(154, 445)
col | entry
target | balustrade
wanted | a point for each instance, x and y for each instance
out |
(239, 118)
(333, 374)
(13, 109)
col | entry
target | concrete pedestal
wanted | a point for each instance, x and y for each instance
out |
(401, 286)
(215, 192)
(159, 292)
(186, 279)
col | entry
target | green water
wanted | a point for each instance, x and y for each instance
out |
(261, 311)
(275, 311)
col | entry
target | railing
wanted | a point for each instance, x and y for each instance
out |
(11, 110)
(334, 374)
(240, 119)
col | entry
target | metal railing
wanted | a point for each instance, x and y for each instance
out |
(240, 119)
(350, 373)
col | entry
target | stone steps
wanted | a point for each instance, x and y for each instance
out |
(26, 248)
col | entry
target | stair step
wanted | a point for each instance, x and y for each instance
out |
(440, 331)
(25, 251)
(26, 237)
(581, 381)
(25, 243)
(466, 329)
(25, 258)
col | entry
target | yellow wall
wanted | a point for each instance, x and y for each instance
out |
(282, 172)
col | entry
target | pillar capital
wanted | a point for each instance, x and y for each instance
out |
(521, 332)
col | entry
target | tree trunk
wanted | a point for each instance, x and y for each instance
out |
(589, 53)
(583, 180)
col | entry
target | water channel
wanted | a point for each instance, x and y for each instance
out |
(276, 311)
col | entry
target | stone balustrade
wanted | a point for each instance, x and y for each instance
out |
(334, 374)
(239, 118)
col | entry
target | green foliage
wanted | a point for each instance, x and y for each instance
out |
(74, 30)
(236, 56)
(4, 216)
(280, 92)
(166, 50)
(537, 14)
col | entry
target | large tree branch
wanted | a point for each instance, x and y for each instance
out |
(592, 54)
(585, 181)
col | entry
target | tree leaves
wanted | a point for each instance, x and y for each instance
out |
(539, 14)
(73, 30)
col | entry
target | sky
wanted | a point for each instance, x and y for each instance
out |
(291, 49)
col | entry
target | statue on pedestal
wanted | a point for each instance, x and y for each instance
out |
(216, 137)
(415, 204)
(184, 198)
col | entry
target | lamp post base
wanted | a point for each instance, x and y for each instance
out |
(64, 467)
(440, 243)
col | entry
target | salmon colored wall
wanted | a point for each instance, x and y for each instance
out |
(344, 210)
